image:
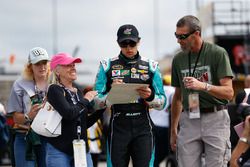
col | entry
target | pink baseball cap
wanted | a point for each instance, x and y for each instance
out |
(63, 59)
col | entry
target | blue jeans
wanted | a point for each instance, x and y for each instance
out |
(20, 151)
(55, 158)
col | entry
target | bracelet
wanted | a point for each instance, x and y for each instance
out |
(27, 118)
(243, 139)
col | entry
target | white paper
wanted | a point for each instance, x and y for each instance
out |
(124, 93)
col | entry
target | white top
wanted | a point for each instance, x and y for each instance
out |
(161, 118)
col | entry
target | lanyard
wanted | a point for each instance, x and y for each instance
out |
(75, 99)
(74, 95)
(196, 62)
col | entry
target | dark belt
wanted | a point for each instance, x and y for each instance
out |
(213, 109)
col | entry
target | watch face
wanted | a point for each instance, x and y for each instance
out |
(208, 86)
(243, 139)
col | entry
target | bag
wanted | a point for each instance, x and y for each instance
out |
(47, 122)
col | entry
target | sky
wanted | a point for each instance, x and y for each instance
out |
(87, 28)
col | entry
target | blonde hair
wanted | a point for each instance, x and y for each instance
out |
(54, 78)
(29, 74)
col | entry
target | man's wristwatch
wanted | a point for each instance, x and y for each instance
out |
(27, 118)
(208, 87)
(243, 139)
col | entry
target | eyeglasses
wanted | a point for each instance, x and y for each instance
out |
(183, 36)
(125, 44)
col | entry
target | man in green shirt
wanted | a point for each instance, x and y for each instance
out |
(202, 75)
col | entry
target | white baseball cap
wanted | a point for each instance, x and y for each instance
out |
(38, 54)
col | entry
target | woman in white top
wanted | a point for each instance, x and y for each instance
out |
(25, 100)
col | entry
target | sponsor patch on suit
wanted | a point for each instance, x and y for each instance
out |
(117, 67)
(143, 67)
(133, 70)
(136, 76)
(116, 73)
(144, 77)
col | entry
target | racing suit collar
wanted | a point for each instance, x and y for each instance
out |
(129, 61)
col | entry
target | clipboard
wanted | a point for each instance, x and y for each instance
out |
(124, 93)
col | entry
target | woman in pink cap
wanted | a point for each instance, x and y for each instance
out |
(73, 107)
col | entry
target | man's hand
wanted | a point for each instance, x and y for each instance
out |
(173, 138)
(193, 83)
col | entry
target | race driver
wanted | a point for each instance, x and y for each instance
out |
(130, 128)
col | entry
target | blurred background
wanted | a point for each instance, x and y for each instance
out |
(87, 29)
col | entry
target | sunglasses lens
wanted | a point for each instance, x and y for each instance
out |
(132, 44)
(183, 36)
(127, 43)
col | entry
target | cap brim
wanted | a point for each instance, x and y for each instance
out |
(77, 60)
(71, 60)
(39, 59)
(128, 38)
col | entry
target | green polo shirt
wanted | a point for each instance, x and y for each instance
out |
(213, 65)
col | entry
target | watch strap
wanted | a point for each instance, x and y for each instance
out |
(245, 140)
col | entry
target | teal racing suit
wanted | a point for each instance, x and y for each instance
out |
(130, 128)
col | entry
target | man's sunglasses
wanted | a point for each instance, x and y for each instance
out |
(183, 36)
(125, 44)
